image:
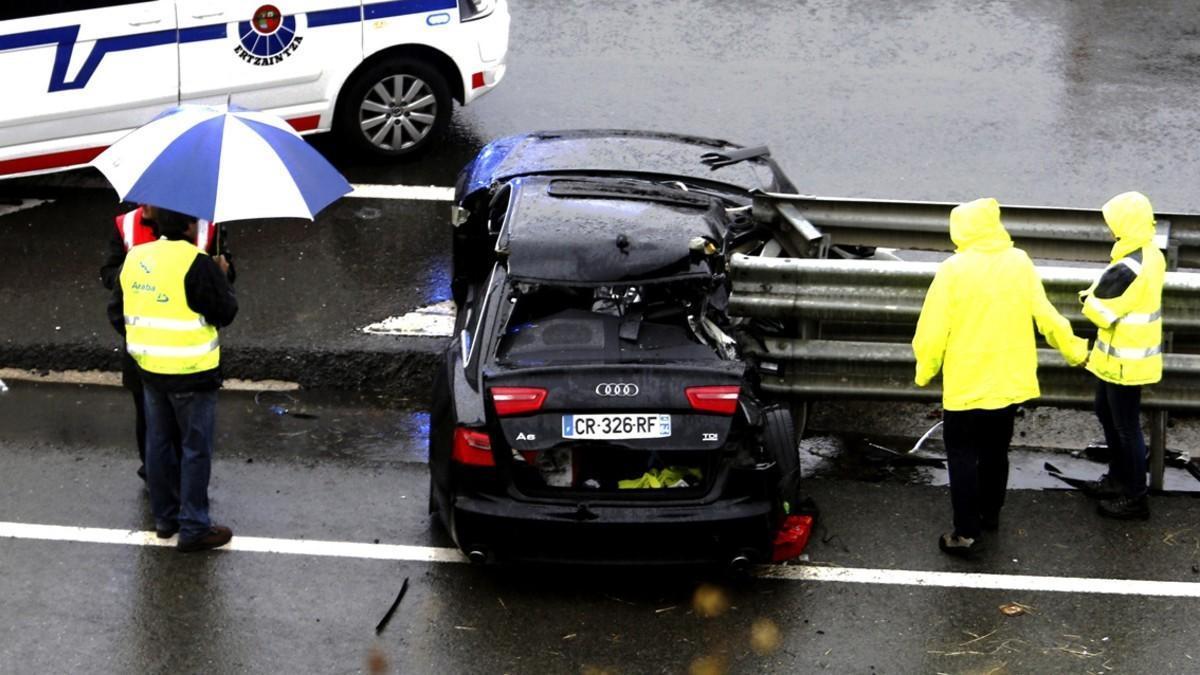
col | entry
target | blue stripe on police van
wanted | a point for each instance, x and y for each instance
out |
(383, 10)
(37, 38)
(104, 46)
(202, 33)
(332, 17)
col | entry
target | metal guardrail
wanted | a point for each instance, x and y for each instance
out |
(872, 290)
(1044, 232)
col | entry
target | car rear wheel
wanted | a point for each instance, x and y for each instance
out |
(395, 108)
(779, 444)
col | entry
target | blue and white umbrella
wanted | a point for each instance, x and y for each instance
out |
(221, 164)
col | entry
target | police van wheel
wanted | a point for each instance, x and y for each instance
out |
(395, 108)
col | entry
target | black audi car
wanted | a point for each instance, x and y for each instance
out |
(594, 405)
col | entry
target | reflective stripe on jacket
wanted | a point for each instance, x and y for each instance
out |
(977, 322)
(162, 333)
(1125, 302)
(134, 232)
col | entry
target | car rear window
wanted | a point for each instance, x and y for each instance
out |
(561, 325)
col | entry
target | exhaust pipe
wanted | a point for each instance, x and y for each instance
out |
(476, 557)
(740, 564)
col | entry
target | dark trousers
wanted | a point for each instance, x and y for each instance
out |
(179, 484)
(977, 454)
(1119, 409)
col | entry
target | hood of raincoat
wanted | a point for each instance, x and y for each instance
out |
(1131, 218)
(975, 226)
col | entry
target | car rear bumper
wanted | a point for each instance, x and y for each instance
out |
(504, 529)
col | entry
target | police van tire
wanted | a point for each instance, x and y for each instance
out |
(779, 445)
(396, 108)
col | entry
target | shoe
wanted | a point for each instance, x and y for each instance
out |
(166, 532)
(990, 522)
(1125, 508)
(1105, 488)
(960, 547)
(217, 536)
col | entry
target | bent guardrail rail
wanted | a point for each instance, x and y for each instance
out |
(1043, 231)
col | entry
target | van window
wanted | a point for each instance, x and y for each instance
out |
(24, 10)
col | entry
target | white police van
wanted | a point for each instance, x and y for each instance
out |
(75, 75)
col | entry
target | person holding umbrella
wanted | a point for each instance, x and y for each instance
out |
(170, 303)
(220, 164)
(138, 227)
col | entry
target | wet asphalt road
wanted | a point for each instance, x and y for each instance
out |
(356, 473)
(1030, 101)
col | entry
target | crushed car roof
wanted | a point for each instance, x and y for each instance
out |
(604, 231)
(608, 151)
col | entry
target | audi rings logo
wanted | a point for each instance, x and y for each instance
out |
(622, 389)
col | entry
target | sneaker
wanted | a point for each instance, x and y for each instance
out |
(166, 532)
(961, 547)
(990, 521)
(217, 536)
(1125, 508)
(1105, 488)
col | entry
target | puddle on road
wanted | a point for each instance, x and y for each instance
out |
(867, 458)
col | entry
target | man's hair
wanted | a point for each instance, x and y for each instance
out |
(172, 223)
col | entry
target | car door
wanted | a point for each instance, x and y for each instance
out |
(284, 55)
(78, 72)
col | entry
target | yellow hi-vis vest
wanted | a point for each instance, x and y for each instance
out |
(1128, 347)
(162, 333)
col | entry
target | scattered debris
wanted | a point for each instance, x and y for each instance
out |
(377, 663)
(665, 609)
(3, 387)
(570, 636)
(392, 610)
(502, 603)
(1015, 609)
(430, 321)
(464, 628)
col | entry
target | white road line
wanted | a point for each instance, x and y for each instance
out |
(429, 321)
(430, 193)
(109, 379)
(852, 575)
(1006, 582)
(336, 549)
(23, 205)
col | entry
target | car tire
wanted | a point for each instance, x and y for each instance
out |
(779, 445)
(395, 108)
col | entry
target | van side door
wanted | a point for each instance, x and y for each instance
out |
(77, 73)
(284, 56)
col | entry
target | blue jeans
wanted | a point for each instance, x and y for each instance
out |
(1119, 408)
(179, 483)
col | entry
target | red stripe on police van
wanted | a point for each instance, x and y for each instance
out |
(53, 160)
(58, 160)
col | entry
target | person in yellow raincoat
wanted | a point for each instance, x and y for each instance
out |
(1125, 304)
(976, 327)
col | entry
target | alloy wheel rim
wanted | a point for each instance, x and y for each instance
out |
(398, 112)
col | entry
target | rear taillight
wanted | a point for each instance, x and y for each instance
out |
(517, 400)
(720, 399)
(472, 447)
(791, 538)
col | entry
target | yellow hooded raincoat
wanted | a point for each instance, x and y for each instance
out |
(1125, 303)
(976, 325)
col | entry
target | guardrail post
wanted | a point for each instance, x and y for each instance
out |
(1158, 448)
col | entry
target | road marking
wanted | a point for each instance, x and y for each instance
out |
(1005, 582)
(852, 575)
(23, 205)
(430, 193)
(335, 549)
(109, 379)
(430, 321)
